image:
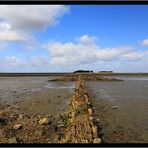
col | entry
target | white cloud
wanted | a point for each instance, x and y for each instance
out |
(83, 51)
(12, 61)
(110, 54)
(18, 23)
(137, 55)
(86, 39)
(38, 61)
(20, 62)
(32, 17)
(11, 36)
(7, 34)
(144, 42)
(4, 26)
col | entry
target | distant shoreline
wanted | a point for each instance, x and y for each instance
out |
(70, 73)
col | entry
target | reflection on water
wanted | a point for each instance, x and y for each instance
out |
(141, 78)
(136, 78)
(103, 94)
(135, 89)
(16, 88)
(35, 89)
(67, 85)
(131, 97)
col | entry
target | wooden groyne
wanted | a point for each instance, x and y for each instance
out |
(78, 119)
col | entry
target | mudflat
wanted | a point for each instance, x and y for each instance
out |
(30, 109)
(30, 102)
(122, 110)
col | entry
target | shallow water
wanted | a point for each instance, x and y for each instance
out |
(131, 97)
(68, 85)
(138, 78)
(135, 89)
(14, 89)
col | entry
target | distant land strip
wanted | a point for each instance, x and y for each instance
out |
(69, 73)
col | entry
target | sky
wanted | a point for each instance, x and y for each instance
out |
(65, 38)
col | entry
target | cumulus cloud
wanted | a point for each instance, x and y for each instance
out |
(83, 51)
(4, 26)
(9, 35)
(38, 61)
(86, 39)
(13, 61)
(110, 54)
(19, 62)
(144, 42)
(137, 55)
(18, 23)
(32, 17)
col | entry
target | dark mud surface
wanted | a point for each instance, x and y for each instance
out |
(122, 110)
(33, 116)
(30, 109)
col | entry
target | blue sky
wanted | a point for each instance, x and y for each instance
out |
(60, 38)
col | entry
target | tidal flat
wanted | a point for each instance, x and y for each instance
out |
(25, 101)
(122, 108)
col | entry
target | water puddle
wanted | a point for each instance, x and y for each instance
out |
(130, 78)
(102, 93)
(137, 78)
(36, 89)
(60, 85)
